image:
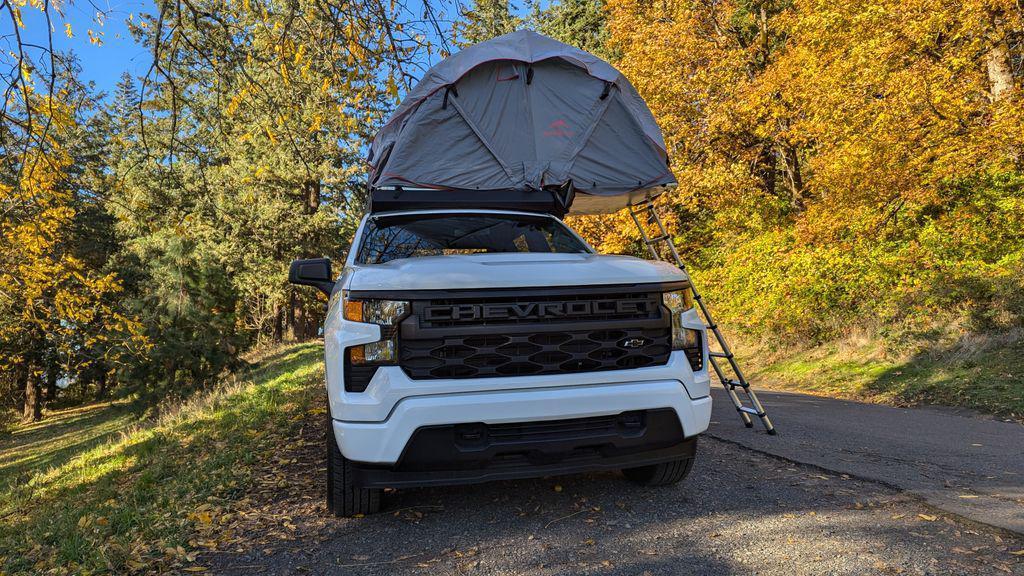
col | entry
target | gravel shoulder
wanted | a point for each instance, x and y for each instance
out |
(739, 512)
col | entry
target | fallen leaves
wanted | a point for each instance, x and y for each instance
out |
(927, 517)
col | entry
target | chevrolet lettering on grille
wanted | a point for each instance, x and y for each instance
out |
(537, 310)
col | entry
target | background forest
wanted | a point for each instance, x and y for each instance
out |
(851, 178)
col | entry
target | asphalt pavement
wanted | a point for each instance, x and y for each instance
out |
(741, 511)
(969, 465)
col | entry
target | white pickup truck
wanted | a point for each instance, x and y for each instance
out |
(468, 345)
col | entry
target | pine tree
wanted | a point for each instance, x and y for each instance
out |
(486, 19)
(579, 23)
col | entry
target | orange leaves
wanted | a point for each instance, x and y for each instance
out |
(825, 149)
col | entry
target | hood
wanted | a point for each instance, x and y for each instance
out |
(518, 270)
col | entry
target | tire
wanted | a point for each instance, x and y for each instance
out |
(664, 474)
(344, 499)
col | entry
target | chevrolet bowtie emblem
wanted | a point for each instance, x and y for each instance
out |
(633, 343)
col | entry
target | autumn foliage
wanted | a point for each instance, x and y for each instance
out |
(57, 313)
(840, 163)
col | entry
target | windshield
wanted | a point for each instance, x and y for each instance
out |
(388, 238)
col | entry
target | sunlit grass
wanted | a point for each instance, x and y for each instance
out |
(125, 502)
(984, 374)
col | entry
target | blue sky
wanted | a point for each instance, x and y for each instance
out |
(100, 64)
(104, 64)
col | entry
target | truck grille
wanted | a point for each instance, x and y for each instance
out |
(522, 336)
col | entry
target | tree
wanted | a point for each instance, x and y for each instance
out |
(485, 20)
(826, 151)
(579, 23)
(56, 309)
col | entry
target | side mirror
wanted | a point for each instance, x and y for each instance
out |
(315, 272)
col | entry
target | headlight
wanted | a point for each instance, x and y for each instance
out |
(386, 314)
(678, 301)
(382, 312)
(685, 339)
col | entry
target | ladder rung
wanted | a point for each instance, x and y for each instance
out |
(749, 410)
(647, 207)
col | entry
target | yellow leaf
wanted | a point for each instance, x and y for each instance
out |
(392, 87)
(195, 569)
(928, 517)
(67, 30)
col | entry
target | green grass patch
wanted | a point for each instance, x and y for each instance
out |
(984, 373)
(92, 493)
(59, 438)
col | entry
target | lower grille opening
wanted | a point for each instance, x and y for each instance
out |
(476, 445)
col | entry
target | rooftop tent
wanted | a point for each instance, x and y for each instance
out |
(520, 121)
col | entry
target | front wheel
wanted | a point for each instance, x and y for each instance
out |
(343, 498)
(664, 474)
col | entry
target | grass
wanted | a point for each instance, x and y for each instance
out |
(985, 373)
(57, 439)
(93, 491)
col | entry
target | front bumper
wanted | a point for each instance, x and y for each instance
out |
(383, 442)
(469, 453)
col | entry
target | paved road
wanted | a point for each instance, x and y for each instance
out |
(967, 465)
(739, 512)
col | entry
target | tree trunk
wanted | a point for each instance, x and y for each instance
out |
(794, 177)
(101, 385)
(278, 323)
(33, 411)
(51, 381)
(997, 61)
(21, 377)
(766, 168)
(311, 193)
(1000, 74)
(290, 313)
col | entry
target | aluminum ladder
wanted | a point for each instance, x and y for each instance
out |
(644, 211)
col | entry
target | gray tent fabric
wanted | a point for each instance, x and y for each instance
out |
(524, 112)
